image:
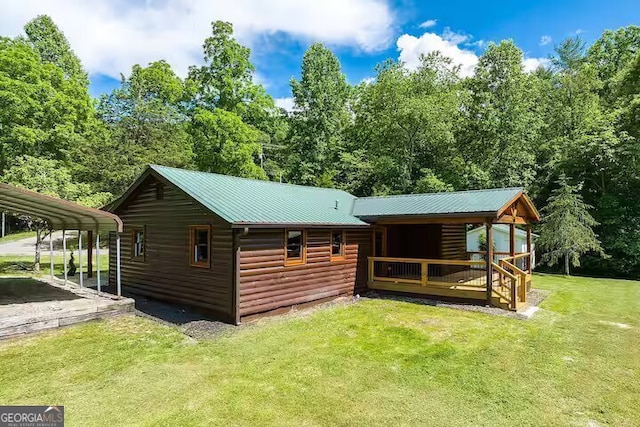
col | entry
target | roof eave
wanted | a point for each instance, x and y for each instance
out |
(456, 215)
(291, 225)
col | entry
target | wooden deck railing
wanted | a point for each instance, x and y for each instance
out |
(462, 278)
(425, 271)
(521, 258)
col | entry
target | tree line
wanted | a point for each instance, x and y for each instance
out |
(569, 129)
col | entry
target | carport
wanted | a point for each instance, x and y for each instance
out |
(64, 215)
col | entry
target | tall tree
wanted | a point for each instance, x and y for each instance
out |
(225, 144)
(611, 54)
(500, 126)
(405, 122)
(225, 82)
(319, 118)
(53, 47)
(566, 230)
(226, 79)
(147, 123)
(41, 112)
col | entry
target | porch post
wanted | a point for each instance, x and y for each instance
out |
(98, 258)
(64, 255)
(529, 247)
(118, 282)
(80, 257)
(512, 241)
(489, 259)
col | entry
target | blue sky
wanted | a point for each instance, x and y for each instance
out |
(112, 35)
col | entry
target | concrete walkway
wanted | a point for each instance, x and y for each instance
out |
(27, 246)
(30, 305)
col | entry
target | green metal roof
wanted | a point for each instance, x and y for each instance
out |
(435, 204)
(242, 201)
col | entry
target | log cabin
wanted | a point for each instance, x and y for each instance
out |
(239, 248)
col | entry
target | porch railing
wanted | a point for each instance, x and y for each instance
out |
(426, 271)
(521, 260)
(509, 282)
(508, 287)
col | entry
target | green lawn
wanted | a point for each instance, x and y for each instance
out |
(378, 362)
(9, 264)
(17, 236)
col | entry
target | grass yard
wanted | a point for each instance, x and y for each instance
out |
(378, 362)
(9, 264)
(17, 236)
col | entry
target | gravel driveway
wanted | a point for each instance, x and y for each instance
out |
(27, 246)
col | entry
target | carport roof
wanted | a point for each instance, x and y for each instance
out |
(60, 214)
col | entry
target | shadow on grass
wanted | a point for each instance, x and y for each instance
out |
(20, 290)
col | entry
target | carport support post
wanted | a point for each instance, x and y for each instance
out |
(118, 283)
(489, 255)
(64, 255)
(98, 258)
(90, 253)
(80, 257)
(51, 252)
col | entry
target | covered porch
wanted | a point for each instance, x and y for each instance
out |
(426, 254)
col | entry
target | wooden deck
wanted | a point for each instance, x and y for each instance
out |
(451, 279)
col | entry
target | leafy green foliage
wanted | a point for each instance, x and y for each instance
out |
(319, 117)
(499, 125)
(146, 123)
(567, 227)
(404, 131)
(225, 144)
(41, 112)
(405, 123)
(53, 47)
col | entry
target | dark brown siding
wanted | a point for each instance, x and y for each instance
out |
(413, 240)
(454, 241)
(266, 283)
(165, 273)
(454, 246)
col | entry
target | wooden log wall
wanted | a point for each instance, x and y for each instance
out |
(454, 241)
(453, 246)
(164, 271)
(266, 283)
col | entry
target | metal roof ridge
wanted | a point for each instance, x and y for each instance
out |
(286, 184)
(390, 196)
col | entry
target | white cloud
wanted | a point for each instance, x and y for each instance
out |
(532, 64)
(429, 23)
(110, 36)
(545, 40)
(411, 47)
(368, 80)
(286, 103)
